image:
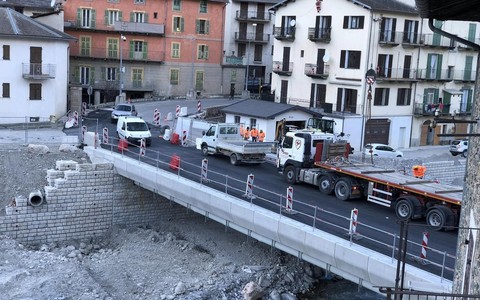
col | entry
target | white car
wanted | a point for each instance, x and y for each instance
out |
(381, 150)
(459, 147)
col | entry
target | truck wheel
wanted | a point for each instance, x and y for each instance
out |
(436, 218)
(404, 209)
(343, 189)
(290, 174)
(234, 159)
(326, 184)
(464, 153)
(204, 150)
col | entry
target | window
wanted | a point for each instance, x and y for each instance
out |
(253, 123)
(202, 26)
(403, 97)
(5, 90)
(85, 45)
(177, 5)
(112, 48)
(84, 75)
(353, 22)
(86, 17)
(178, 24)
(139, 1)
(112, 16)
(350, 59)
(410, 32)
(387, 30)
(236, 119)
(175, 50)
(111, 74)
(202, 52)
(138, 17)
(381, 96)
(287, 142)
(258, 53)
(137, 77)
(203, 6)
(384, 65)
(199, 80)
(242, 49)
(346, 100)
(174, 74)
(434, 66)
(138, 50)
(35, 91)
(6, 52)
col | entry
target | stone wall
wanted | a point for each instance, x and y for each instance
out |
(82, 201)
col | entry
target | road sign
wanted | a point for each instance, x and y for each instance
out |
(371, 76)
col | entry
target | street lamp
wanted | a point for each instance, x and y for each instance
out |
(122, 38)
(248, 57)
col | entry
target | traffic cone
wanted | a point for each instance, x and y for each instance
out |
(175, 162)
(122, 145)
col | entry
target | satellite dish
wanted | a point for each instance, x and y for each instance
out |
(292, 23)
(326, 58)
(52, 3)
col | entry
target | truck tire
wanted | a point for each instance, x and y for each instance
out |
(343, 189)
(404, 209)
(441, 217)
(234, 159)
(290, 174)
(204, 150)
(326, 184)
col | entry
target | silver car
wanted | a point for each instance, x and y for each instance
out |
(122, 110)
(381, 150)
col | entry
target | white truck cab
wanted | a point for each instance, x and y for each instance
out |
(134, 129)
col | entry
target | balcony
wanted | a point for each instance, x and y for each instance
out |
(428, 109)
(281, 68)
(464, 76)
(114, 55)
(38, 71)
(284, 33)
(252, 37)
(124, 27)
(321, 35)
(232, 60)
(317, 71)
(411, 39)
(114, 84)
(437, 41)
(253, 16)
(389, 38)
(463, 47)
(443, 75)
(396, 75)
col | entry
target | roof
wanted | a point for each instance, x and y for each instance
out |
(460, 10)
(39, 4)
(264, 109)
(15, 24)
(392, 6)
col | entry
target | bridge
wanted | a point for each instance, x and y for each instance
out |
(225, 202)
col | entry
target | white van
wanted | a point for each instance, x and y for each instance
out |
(133, 129)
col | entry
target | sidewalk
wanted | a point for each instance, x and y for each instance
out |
(36, 136)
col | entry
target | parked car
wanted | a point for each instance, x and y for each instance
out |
(134, 129)
(123, 110)
(459, 147)
(382, 150)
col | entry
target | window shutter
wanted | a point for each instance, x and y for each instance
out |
(345, 22)
(107, 19)
(132, 47)
(182, 24)
(120, 16)
(197, 26)
(361, 21)
(102, 73)
(342, 59)
(79, 17)
(91, 79)
(92, 24)
(205, 55)
(439, 66)
(132, 17)
(145, 50)
(145, 18)
(76, 74)
(339, 100)
(207, 27)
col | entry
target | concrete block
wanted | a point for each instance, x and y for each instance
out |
(63, 165)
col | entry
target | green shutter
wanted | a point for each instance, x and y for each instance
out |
(77, 74)
(207, 27)
(120, 16)
(205, 55)
(182, 24)
(145, 50)
(102, 73)
(439, 67)
(145, 18)
(132, 47)
(132, 17)
(92, 25)
(92, 76)
(79, 17)
(106, 17)
(467, 74)
(197, 26)
(429, 66)
(472, 28)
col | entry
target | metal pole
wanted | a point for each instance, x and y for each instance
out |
(121, 67)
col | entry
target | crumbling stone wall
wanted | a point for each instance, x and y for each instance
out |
(82, 201)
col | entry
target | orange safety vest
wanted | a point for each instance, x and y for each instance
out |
(246, 134)
(254, 132)
(261, 136)
(241, 130)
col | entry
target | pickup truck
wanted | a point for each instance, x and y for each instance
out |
(225, 139)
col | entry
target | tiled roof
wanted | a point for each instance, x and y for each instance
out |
(263, 109)
(41, 4)
(15, 24)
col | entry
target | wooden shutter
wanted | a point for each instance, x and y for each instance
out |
(145, 50)
(92, 20)
(345, 22)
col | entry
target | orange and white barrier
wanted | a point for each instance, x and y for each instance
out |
(75, 118)
(84, 129)
(175, 162)
(353, 221)
(423, 254)
(156, 117)
(142, 147)
(249, 187)
(204, 170)
(105, 135)
(184, 138)
(84, 108)
(177, 111)
(199, 106)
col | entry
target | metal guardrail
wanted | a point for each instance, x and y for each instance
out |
(438, 262)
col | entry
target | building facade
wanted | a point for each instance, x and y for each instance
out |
(374, 60)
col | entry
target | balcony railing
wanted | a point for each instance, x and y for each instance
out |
(317, 71)
(389, 38)
(411, 39)
(396, 74)
(105, 54)
(254, 16)
(316, 34)
(252, 37)
(281, 68)
(38, 71)
(435, 75)
(284, 33)
(233, 60)
(119, 26)
(429, 109)
(114, 84)
(464, 75)
(436, 40)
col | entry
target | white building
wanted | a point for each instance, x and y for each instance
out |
(324, 49)
(34, 63)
